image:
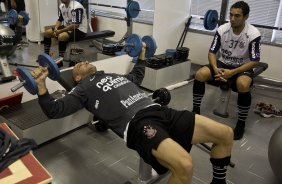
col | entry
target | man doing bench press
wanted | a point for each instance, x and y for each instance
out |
(162, 136)
(71, 25)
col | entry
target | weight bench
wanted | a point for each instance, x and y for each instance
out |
(221, 108)
(145, 175)
(99, 34)
(91, 36)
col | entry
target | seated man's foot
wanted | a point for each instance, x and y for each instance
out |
(239, 132)
(76, 51)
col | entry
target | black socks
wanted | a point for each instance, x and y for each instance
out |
(243, 103)
(198, 94)
(219, 169)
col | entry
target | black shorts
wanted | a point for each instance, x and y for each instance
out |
(152, 125)
(75, 35)
(231, 81)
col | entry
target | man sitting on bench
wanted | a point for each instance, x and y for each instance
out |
(239, 43)
(162, 136)
(71, 25)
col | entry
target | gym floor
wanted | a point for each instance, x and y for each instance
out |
(87, 156)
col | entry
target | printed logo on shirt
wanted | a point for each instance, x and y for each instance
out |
(108, 83)
(149, 131)
(132, 99)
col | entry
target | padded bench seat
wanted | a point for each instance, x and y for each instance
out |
(99, 34)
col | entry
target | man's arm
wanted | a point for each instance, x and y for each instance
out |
(212, 55)
(254, 55)
(55, 108)
(136, 75)
(76, 21)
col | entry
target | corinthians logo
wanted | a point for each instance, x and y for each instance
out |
(149, 131)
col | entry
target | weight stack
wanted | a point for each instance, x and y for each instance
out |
(182, 54)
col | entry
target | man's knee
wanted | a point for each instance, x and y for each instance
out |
(203, 74)
(184, 168)
(48, 33)
(243, 84)
(227, 137)
(63, 37)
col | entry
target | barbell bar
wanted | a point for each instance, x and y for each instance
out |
(27, 80)
(132, 9)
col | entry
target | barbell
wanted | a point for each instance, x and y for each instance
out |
(133, 45)
(211, 21)
(12, 17)
(27, 80)
(132, 9)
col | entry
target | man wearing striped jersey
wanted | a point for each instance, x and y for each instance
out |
(238, 43)
(70, 26)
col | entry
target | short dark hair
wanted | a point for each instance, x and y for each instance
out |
(243, 6)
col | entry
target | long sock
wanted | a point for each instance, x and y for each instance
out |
(219, 166)
(198, 94)
(47, 45)
(62, 48)
(243, 103)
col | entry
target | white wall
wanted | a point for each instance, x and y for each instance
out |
(120, 27)
(169, 21)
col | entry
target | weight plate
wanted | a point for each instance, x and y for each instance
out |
(12, 17)
(25, 16)
(30, 84)
(132, 9)
(133, 45)
(46, 61)
(211, 20)
(151, 46)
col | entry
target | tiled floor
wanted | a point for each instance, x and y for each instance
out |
(86, 156)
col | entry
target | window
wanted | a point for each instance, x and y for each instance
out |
(262, 12)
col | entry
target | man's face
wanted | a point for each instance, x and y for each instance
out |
(82, 70)
(237, 19)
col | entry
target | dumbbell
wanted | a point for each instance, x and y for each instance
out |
(27, 80)
(12, 17)
(98, 125)
(133, 45)
(161, 96)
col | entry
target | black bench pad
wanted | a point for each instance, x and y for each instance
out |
(99, 34)
(66, 79)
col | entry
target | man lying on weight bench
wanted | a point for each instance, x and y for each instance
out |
(162, 136)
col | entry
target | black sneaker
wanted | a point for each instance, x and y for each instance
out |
(239, 131)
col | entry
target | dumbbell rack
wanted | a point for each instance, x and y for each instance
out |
(166, 75)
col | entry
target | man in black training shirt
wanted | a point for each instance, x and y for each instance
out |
(162, 136)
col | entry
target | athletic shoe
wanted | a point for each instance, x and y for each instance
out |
(271, 111)
(259, 106)
(76, 51)
(239, 131)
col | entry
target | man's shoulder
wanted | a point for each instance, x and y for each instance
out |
(76, 5)
(252, 31)
(224, 28)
